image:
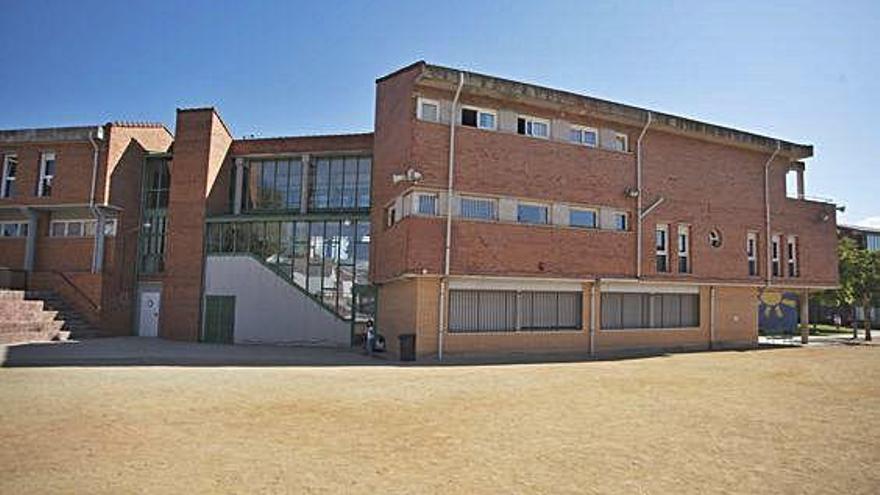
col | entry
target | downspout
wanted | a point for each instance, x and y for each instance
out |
(711, 317)
(767, 239)
(593, 318)
(444, 282)
(639, 197)
(96, 249)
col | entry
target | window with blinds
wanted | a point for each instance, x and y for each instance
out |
(511, 311)
(624, 310)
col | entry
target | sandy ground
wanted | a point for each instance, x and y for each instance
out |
(771, 421)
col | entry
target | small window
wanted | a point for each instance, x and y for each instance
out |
(390, 216)
(620, 222)
(479, 208)
(528, 213)
(10, 168)
(684, 249)
(774, 256)
(476, 117)
(752, 253)
(715, 238)
(13, 229)
(586, 136)
(426, 204)
(533, 126)
(47, 174)
(582, 218)
(791, 252)
(428, 110)
(661, 237)
(791, 184)
(620, 142)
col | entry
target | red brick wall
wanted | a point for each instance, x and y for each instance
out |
(200, 147)
(703, 184)
(73, 172)
(12, 253)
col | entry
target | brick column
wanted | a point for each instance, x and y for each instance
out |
(200, 147)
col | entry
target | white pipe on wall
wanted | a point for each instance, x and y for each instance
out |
(639, 197)
(444, 281)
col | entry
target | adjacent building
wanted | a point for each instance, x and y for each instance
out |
(481, 216)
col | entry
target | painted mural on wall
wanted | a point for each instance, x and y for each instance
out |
(777, 312)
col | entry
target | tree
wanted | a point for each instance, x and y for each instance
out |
(859, 279)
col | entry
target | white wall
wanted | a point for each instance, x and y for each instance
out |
(270, 310)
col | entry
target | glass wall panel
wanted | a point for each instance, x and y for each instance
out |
(340, 183)
(272, 185)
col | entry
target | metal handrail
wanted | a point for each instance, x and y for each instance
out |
(95, 306)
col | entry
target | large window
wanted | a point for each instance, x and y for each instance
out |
(510, 311)
(624, 310)
(47, 174)
(10, 168)
(153, 221)
(480, 208)
(340, 183)
(274, 184)
(324, 258)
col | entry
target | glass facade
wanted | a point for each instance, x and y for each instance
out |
(155, 213)
(326, 258)
(272, 184)
(339, 183)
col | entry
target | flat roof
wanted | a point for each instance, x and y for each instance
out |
(492, 86)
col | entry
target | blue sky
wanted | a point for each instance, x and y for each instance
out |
(802, 71)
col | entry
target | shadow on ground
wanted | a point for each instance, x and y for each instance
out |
(139, 351)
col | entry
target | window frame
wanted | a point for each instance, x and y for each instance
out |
(775, 252)
(7, 186)
(616, 138)
(684, 253)
(528, 126)
(21, 229)
(791, 255)
(420, 113)
(582, 130)
(44, 179)
(479, 110)
(417, 203)
(86, 225)
(752, 254)
(547, 212)
(661, 252)
(594, 211)
(492, 201)
(617, 215)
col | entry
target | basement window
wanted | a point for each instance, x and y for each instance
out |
(428, 110)
(478, 117)
(533, 126)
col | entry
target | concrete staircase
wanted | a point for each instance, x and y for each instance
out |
(39, 316)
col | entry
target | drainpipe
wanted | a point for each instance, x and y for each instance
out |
(98, 250)
(767, 239)
(639, 197)
(444, 282)
(711, 317)
(593, 318)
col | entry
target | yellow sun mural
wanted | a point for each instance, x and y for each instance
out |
(774, 303)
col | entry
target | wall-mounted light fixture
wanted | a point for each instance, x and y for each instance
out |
(631, 192)
(411, 175)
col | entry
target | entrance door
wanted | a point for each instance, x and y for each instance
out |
(148, 319)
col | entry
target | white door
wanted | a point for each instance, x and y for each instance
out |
(148, 321)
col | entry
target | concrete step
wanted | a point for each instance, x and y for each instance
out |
(15, 295)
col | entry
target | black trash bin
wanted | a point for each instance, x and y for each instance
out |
(407, 347)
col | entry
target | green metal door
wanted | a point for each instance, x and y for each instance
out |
(219, 324)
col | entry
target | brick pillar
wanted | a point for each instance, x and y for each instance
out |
(200, 145)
